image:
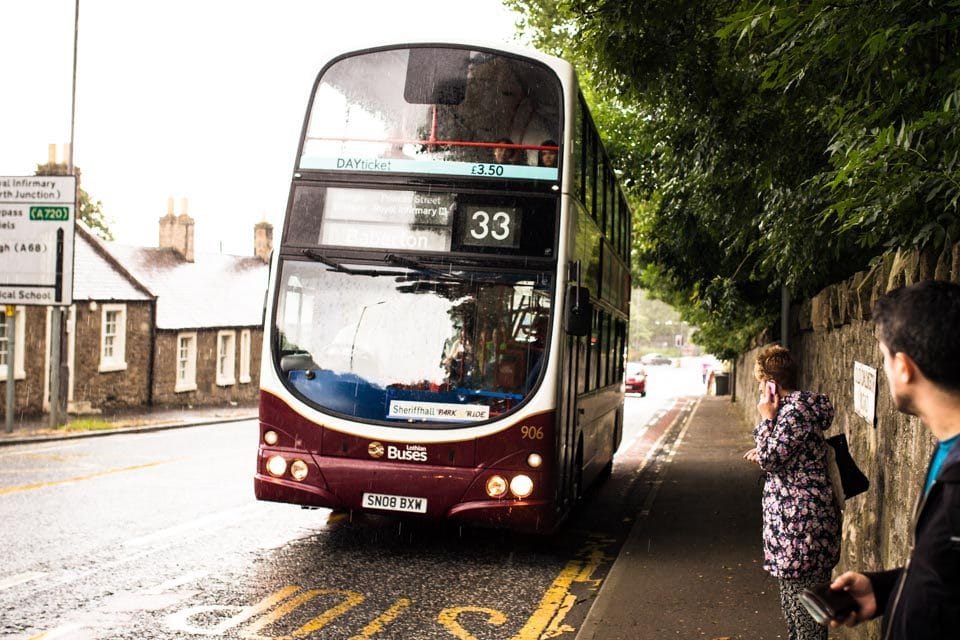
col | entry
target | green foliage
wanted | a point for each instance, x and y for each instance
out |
(89, 211)
(768, 143)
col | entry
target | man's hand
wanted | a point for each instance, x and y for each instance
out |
(859, 586)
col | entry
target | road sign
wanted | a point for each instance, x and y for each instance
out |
(37, 215)
(864, 391)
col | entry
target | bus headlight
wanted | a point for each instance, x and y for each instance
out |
(271, 437)
(521, 486)
(534, 460)
(298, 469)
(276, 466)
(496, 486)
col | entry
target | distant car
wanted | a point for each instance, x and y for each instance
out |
(636, 379)
(655, 359)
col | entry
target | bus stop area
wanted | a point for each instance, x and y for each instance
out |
(692, 564)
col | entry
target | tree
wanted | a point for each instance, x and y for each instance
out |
(769, 143)
(88, 210)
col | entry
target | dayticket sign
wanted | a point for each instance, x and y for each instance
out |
(37, 216)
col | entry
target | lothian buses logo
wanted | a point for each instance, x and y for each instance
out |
(375, 449)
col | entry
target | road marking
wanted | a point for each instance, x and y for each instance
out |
(377, 625)
(72, 631)
(173, 583)
(551, 603)
(53, 483)
(351, 600)
(448, 620)
(685, 414)
(178, 530)
(180, 620)
(20, 578)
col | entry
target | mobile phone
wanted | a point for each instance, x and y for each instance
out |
(825, 604)
(771, 389)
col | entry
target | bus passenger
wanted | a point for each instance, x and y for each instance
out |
(547, 157)
(507, 155)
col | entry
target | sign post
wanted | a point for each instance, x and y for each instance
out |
(11, 332)
(37, 218)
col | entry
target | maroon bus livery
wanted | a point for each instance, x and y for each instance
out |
(447, 313)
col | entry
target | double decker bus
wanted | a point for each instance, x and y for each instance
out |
(447, 313)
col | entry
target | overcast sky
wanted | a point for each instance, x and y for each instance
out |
(202, 99)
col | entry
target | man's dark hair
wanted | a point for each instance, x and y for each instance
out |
(923, 322)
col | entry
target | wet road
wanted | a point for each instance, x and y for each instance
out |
(157, 535)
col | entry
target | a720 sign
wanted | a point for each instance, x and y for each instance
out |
(50, 213)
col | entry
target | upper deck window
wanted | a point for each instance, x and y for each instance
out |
(437, 111)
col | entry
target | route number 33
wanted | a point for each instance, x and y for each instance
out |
(485, 226)
(497, 226)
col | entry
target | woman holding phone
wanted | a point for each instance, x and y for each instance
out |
(801, 518)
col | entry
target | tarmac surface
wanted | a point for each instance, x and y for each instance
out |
(691, 566)
(39, 429)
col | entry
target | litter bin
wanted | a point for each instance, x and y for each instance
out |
(721, 383)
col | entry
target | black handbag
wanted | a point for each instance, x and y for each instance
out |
(853, 481)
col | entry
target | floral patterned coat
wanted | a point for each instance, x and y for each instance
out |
(801, 520)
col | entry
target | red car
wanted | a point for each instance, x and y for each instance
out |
(636, 380)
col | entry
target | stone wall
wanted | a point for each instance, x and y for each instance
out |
(827, 335)
(28, 391)
(207, 392)
(106, 391)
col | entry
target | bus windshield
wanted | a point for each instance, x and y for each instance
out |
(436, 110)
(401, 342)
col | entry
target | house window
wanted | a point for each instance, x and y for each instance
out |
(245, 356)
(18, 343)
(226, 357)
(113, 338)
(186, 362)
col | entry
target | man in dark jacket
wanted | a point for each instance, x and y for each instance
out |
(919, 333)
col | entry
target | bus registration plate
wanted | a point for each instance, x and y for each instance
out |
(394, 503)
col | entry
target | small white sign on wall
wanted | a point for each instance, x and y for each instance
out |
(864, 391)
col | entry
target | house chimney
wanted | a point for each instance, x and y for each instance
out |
(263, 240)
(176, 232)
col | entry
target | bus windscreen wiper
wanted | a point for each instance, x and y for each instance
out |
(337, 266)
(410, 263)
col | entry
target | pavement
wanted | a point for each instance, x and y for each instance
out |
(691, 565)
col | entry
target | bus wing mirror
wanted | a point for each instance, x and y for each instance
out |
(578, 312)
(297, 362)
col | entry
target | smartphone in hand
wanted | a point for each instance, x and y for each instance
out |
(770, 388)
(825, 604)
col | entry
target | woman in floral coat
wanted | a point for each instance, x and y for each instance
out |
(801, 519)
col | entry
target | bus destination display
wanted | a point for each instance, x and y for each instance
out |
(414, 220)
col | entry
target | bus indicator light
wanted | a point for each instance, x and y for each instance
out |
(299, 470)
(271, 437)
(534, 460)
(496, 486)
